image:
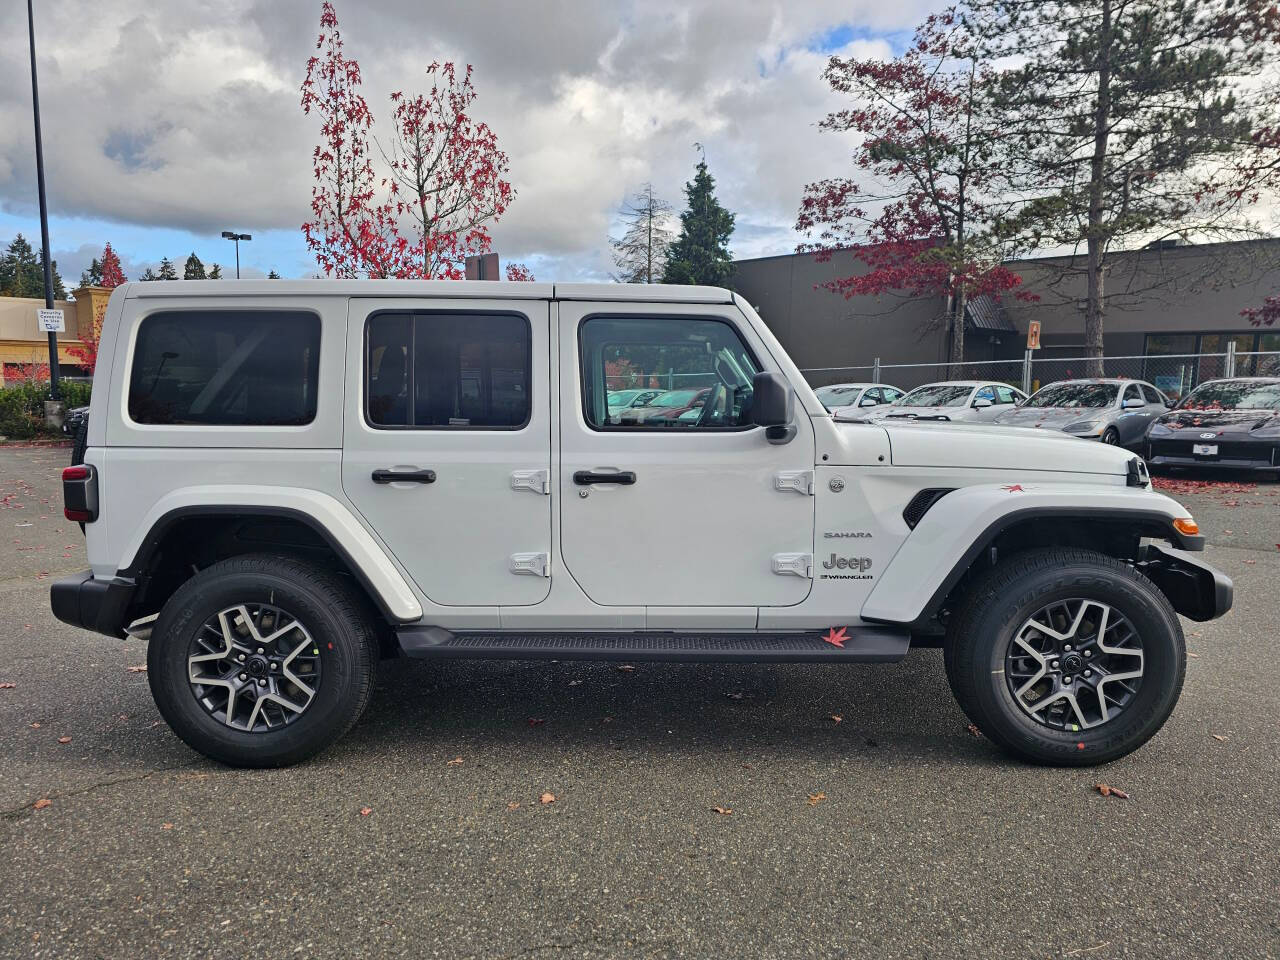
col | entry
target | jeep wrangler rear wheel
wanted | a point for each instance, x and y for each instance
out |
(1066, 656)
(262, 661)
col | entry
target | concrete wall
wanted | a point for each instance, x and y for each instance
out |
(823, 329)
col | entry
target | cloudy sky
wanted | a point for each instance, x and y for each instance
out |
(165, 124)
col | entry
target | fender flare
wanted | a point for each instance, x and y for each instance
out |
(327, 516)
(939, 551)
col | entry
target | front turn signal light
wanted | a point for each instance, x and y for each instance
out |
(1186, 525)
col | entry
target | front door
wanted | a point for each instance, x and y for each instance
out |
(447, 443)
(688, 505)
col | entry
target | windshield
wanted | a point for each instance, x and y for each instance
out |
(674, 398)
(1075, 395)
(835, 396)
(936, 395)
(618, 397)
(1233, 395)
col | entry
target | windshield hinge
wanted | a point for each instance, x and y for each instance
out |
(799, 481)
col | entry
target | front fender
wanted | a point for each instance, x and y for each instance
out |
(327, 516)
(965, 522)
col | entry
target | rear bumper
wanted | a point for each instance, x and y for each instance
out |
(97, 605)
(1197, 590)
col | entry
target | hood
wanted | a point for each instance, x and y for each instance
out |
(1227, 421)
(972, 446)
(1052, 417)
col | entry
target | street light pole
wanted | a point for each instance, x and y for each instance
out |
(44, 207)
(237, 237)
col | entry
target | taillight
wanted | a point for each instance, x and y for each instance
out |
(80, 493)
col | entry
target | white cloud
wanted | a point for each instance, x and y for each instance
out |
(186, 116)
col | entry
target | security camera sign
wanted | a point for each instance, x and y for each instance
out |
(51, 321)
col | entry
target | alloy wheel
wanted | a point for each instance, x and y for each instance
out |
(254, 667)
(1074, 664)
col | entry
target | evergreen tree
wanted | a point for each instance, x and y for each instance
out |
(167, 270)
(273, 275)
(215, 272)
(641, 254)
(148, 275)
(701, 254)
(22, 272)
(1131, 121)
(194, 269)
(93, 276)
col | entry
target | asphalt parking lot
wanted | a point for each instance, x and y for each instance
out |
(891, 833)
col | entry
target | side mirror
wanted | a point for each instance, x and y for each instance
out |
(981, 403)
(1133, 403)
(1171, 404)
(772, 406)
(869, 402)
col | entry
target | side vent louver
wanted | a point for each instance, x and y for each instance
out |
(914, 511)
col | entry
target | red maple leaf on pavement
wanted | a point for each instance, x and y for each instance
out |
(836, 637)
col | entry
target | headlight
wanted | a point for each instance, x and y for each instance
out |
(1160, 429)
(1083, 426)
(1269, 429)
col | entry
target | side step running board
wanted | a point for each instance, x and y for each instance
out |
(861, 645)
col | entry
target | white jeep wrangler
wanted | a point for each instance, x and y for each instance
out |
(285, 481)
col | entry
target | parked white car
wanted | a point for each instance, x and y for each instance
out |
(967, 401)
(850, 399)
(286, 480)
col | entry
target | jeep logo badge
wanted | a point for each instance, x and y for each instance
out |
(861, 564)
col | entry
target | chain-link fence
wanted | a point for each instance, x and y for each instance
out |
(1174, 374)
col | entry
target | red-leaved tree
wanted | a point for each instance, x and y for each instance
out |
(1265, 315)
(926, 143)
(518, 271)
(86, 351)
(442, 185)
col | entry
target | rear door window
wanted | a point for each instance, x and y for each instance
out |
(226, 368)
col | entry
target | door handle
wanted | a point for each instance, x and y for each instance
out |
(587, 477)
(404, 476)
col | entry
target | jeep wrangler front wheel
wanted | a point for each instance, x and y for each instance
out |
(1066, 656)
(262, 661)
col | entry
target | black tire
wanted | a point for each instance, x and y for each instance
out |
(1000, 602)
(1111, 437)
(338, 619)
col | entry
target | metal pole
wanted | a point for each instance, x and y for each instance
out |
(44, 208)
(1229, 368)
(237, 258)
(1026, 372)
(875, 371)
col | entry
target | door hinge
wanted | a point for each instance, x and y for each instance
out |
(801, 481)
(538, 481)
(793, 565)
(531, 564)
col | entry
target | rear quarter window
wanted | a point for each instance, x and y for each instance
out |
(226, 368)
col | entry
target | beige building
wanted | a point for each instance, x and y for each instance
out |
(23, 343)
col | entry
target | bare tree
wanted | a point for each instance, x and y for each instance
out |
(641, 254)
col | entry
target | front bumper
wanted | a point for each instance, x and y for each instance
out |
(1232, 454)
(97, 605)
(1197, 590)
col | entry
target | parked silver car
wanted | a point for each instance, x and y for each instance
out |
(970, 401)
(847, 399)
(1116, 411)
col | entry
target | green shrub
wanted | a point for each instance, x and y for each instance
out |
(22, 407)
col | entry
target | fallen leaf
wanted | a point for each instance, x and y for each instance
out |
(575, 683)
(626, 668)
(607, 720)
(36, 725)
(547, 798)
(836, 718)
(141, 669)
(1220, 738)
(365, 811)
(736, 695)
(536, 721)
(723, 811)
(973, 730)
(454, 762)
(836, 637)
(1250, 562)
(41, 803)
(1109, 791)
(7, 686)
(166, 826)
(64, 739)
(816, 798)
(1194, 656)
(513, 805)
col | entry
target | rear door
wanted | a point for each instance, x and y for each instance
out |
(447, 443)
(697, 511)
